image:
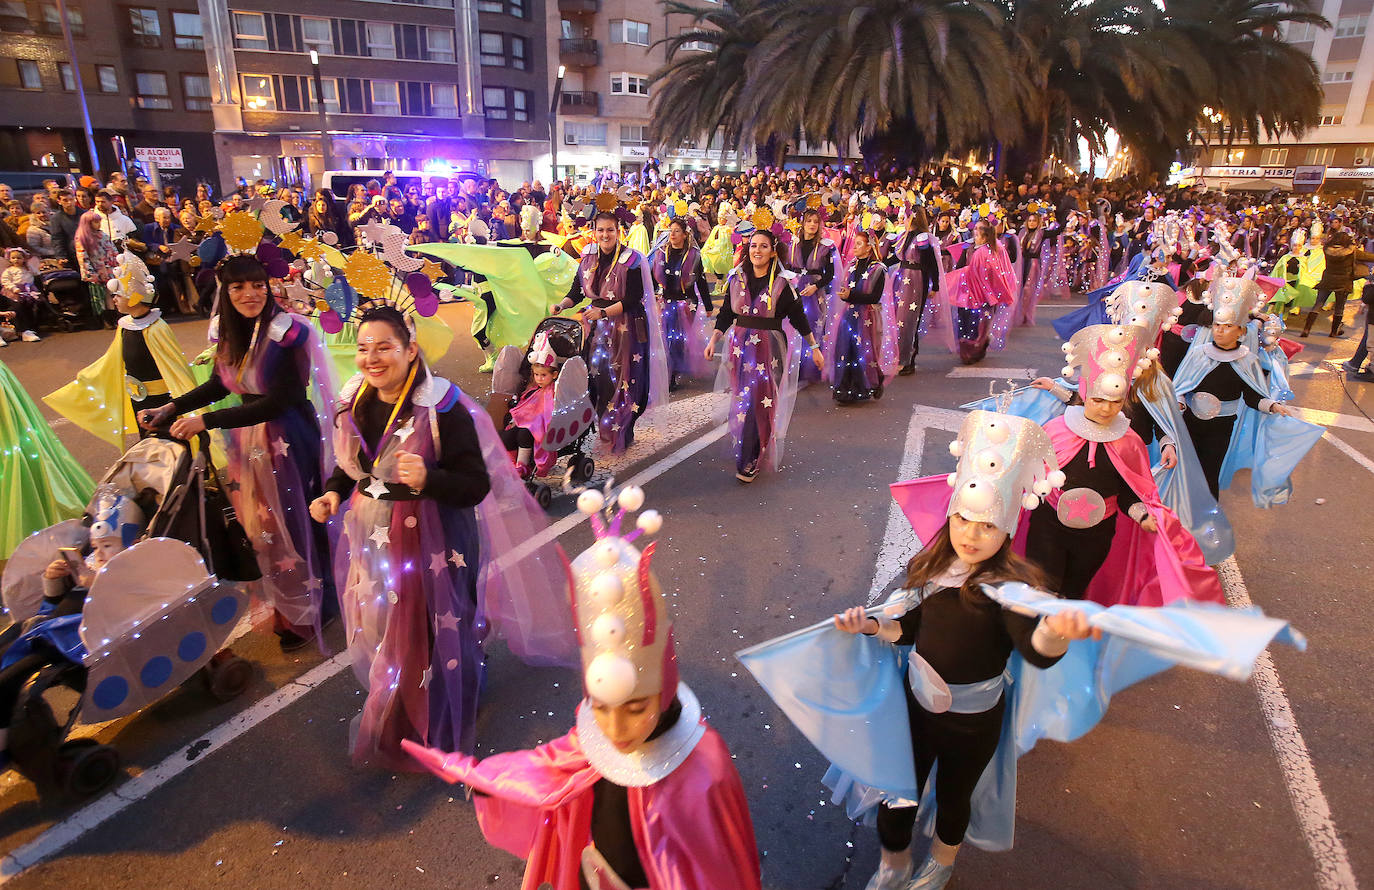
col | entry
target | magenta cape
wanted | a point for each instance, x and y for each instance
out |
(692, 829)
(1142, 569)
(533, 411)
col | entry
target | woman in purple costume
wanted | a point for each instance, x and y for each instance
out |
(860, 341)
(277, 457)
(811, 257)
(758, 368)
(681, 282)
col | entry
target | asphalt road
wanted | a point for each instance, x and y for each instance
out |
(1180, 787)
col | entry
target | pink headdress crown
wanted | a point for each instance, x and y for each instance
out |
(1107, 358)
(1006, 463)
(541, 351)
(1152, 305)
(623, 627)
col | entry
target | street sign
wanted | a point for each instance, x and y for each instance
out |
(1309, 178)
(164, 158)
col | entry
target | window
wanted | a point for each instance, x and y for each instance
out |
(520, 104)
(250, 30)
(513, 8)
(151, 89)
(14, 16)
(1300, 33)
(517, 52)
(695, 46)
(257, 93)
(1319, 155)
(65, 74)
(443, 98)
(516, 8)
(629, 85)
(317, 35)
(493, 49)
(439, 44)
(497, 6)
(1351, 26)
(578, 133)
(1338, 76)
(1274, 157)
(331, 94)
(187, 31)
(386, 98)
(1331, 120)
(381, 40)
(195, 89)
(30, 78)
(52, 19)
(629, 31)
(106, 77)
(494, 103)
(145, 27)
(636, 134)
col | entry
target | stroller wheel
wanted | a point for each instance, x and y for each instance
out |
(543, 495)
(227, 678)
(582, 468)
(84, 766)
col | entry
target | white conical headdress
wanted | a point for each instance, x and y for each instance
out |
(131, 280)
(1152, 305)
(1006, 464)
(1233, 300)
(1107, 357)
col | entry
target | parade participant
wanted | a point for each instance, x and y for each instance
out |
(143, 368)
(860, 342)
(812, 258)
(1301, 269)
(1151, 265)
(642, 792)
(1032, 239)
(276, 456)
(963, 704)
(681, 281)
(916, 274)
(1232, 414)
(1337, 280)
(41, 484)
(627, 360)
(1108, 536)
(759, 369)
(416, 559)
(1193, 314)
(981, 296)
(532, 412)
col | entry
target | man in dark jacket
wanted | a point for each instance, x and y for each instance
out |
(65, 220)
(1338, 279)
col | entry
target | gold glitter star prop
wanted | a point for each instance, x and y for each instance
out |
(432, 270)
(291, 241)
(368, 275)
(241, 231)
(206, 223)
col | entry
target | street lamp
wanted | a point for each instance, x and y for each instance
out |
(553, 124)
(325, 147)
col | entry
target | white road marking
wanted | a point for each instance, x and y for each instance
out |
(1331, 418)
(94, 814)
(1334, 871)
(995, 373)
(1349, 451)
(899, 541)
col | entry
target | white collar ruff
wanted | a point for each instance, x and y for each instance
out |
(653, 761)
(1083, 428)
(129, 323)
(1217, 354)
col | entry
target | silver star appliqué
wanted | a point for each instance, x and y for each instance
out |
(381, 536)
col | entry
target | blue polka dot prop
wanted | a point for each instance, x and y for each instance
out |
(154, 618)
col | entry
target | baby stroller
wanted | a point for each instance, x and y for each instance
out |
(573, 417)
(67, 294)
(155, 616)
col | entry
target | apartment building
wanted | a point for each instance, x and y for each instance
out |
(608, 49)
(1343, 144)
(408, 85)
(142, 70)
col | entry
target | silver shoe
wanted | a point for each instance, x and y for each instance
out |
(889, 878)
(932, 876)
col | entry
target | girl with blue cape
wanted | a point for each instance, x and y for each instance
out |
(1150, 266)
(933, 732)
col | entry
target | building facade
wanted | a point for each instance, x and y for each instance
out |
(142, 71)
(608, 51)
(433, 85)
(1343, 143)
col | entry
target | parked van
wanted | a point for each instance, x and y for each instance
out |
(339, 181)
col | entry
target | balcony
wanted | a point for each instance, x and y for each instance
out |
(579, 7)
(579, 52)
(581, 104)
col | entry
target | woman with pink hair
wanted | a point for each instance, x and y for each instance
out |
(96, 257)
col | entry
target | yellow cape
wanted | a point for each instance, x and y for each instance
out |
(97, 400)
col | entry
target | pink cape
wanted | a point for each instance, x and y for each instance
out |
(1142, 569)
(692, 828)
(533, 412)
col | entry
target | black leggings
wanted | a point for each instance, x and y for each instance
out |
(1211, 441)
(517, 437)
(1069, 556)
(963, 745)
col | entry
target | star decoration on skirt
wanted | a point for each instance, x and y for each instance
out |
(286, 564)
(446, 621)
(767, 402)
(280, 446)
(459, 560)
(266, 537)
(376, 488)
(381, 536)
(740, 417)
(437, 563)
(257, 454)
(738, 351)
(425, 677)
(313, 584)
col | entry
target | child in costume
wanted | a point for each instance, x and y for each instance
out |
(51, 637)
(532, 412)
(20, 296)
(144, 368)
(962, 701)
(861, 342)
(1235, 412)
(642, 793)
(978, 300)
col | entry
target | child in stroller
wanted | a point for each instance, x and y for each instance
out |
(120, 615)
(553, 412)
